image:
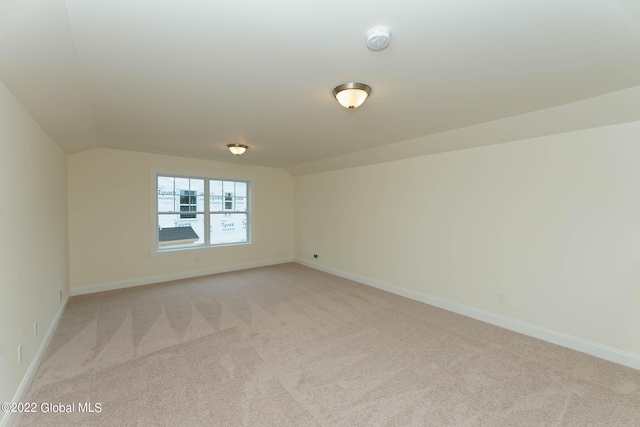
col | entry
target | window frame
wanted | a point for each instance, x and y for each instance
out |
(207, 213)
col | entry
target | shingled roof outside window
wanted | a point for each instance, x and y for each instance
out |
(175, 235)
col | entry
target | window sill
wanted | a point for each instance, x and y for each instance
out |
(198, 249)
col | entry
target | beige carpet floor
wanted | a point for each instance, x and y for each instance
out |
(289, 345)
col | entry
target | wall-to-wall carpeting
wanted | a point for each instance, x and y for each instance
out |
(289, 345)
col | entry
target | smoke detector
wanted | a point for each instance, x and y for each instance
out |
(378, 38)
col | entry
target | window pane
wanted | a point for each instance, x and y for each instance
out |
(229, 187)
(165, 194)
(187, 209)
(241, 188)
(228, 201)
(174, 232)
(182, 188)
(241, 196)
(228, 228)
(197, 199)
(241, 204)
(187, 203)
(215, 195)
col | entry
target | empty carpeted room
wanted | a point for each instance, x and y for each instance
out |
(337, 213)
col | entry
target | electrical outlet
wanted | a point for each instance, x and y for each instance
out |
(35, 329)
(20, 353)
(502, 298)
(315, 256)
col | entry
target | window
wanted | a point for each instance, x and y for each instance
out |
(228, 201)
(187, 203)
(228, 211)
(187, 219)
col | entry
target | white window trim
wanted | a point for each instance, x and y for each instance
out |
(155, 251)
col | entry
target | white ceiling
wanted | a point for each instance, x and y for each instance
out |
(188, 77)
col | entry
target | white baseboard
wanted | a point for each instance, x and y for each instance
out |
(21, 393)
(594, 349)
(169, 277)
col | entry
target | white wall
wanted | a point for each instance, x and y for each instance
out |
(554, 222)
(111, 219)
(34, 251)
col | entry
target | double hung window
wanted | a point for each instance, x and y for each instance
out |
(188, 203)
(200, 212)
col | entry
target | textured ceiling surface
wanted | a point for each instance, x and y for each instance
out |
(186, 78)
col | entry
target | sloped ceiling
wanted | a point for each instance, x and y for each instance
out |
(186, 78)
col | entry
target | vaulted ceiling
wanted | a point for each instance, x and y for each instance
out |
(188, 77)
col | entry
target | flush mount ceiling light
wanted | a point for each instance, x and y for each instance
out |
(351, 95)
(237, 149)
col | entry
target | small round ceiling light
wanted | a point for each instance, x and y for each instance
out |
(237, 149)
(351, 95)
(378, 38)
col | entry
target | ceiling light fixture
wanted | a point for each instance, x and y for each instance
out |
(237, 149)
(351, 95)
